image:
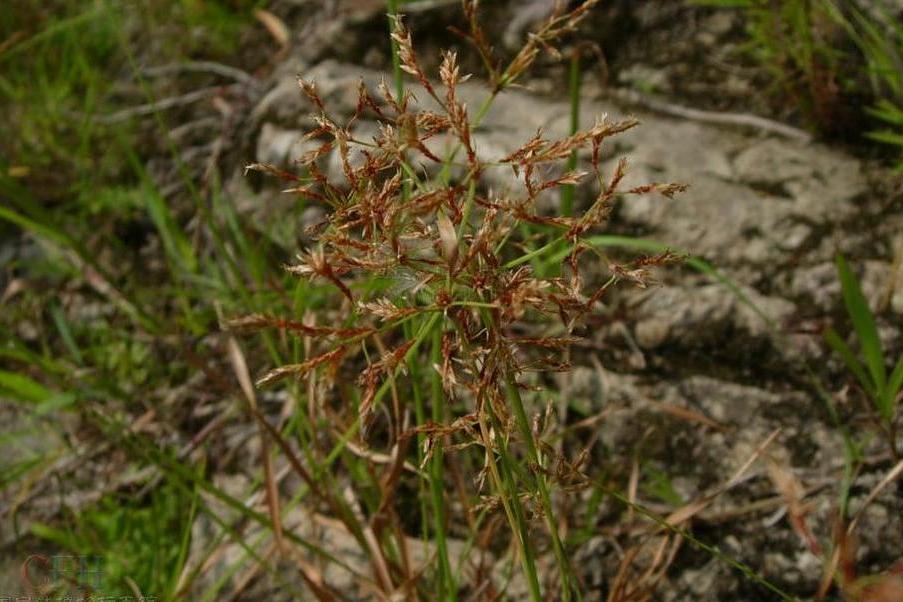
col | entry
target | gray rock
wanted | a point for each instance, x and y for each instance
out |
(693, 316)
(817, 284)
(276, 145)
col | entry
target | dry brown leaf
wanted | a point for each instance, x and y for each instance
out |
(891, 476)
(695, 507)
(448, 237)
(887, 588)
(240, 366)
(15, 286)
(690, 415)
(793, 493)
(274, 25)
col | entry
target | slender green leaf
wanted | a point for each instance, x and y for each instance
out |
(41, 229)
(62, 325)
(24, 387)
(849, 358)
(863, 322)
(62, 538)
(887, 137)
(55, 403)
(895, 383)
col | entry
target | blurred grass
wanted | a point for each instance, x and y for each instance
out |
(77, 188)
(840, 63)
(62, 61)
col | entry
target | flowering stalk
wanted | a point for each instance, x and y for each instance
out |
(460, 279)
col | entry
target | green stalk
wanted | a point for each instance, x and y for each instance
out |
(445, 586)
(398, 76)
(446, 589)
(505, 484)
(420, 416)
(506, 487)
(523, 424)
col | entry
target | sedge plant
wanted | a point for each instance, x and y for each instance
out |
(473, 319)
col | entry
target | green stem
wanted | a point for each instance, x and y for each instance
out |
(503, 481)
(446, 588)
(553, 245)
(398, 76)
(420, 416)
(523, 424)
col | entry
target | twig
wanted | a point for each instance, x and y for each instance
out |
(735, 119)
(894, 473)
(186, 128)
(427, 5)
(160, 105)
(238, 75)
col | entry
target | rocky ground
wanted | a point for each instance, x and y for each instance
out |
(770, 211)
(692, 374)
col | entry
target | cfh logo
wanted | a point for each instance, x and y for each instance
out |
(83, 572)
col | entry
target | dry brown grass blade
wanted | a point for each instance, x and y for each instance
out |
(632, 486)
(695, 507)
(308, 479)
(660, 562)
(275, 26)
(690, 416)
(135, 589)
(628, 586)
(313, 578)
(247, 577)
(887, 588)
(377, 556)
(388, 484)
(15, 286)
(11, 41)
(831, 566)
(356, 525)
(240, 366)
(882, 588)
(377, 457)
(891, 476)
(618, 588)
(793, 493)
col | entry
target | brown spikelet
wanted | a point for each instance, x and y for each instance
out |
(406, 55)
(310, 90)
(454, 285)
(668, 190)
(257, 322)
(301, 369)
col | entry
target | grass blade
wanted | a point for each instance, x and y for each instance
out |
(863, 322)
(894, 383)
(24, 387)
(843, 350)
